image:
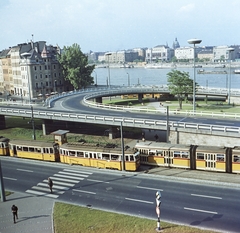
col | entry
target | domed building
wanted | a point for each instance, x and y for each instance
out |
(176, 44)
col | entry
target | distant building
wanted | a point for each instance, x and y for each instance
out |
(222, 53)
(160, 53)
(121, 56)
(206, 54)
(186, 53)
(176, 44)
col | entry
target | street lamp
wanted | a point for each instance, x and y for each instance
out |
(95, 77)
(194, 41)
(229, 79)
(33, 124)
(25, 55)
(108, 54)
(128, 80)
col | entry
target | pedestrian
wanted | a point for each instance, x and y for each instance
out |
(50, 184)
(15, 213)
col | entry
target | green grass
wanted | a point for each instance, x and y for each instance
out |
(74, 219)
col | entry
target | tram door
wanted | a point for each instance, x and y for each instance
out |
(168, 158)
(210, 160)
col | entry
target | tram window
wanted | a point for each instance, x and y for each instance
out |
(176, 154)
(25, 148)
(98, 155)
(38, 150)
(131, 158)
(19, 148)
(80, 154)
(71, 153)
(105, 156)
(86, 155)
(159, 153)
(185, 154)
(236, 158)
(200, 156)
(51, 150)
(220, 157)
(126, 158)
(115, 157)
(31, 149)
(151, 152)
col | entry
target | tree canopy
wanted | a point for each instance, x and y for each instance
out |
(180, 85)
(75, 66)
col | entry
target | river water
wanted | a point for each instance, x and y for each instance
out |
(146, 76)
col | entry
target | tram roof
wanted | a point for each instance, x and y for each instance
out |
(31, 143)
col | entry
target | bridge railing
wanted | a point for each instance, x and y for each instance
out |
(116, 121)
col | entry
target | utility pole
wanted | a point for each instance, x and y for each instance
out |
(2, 190)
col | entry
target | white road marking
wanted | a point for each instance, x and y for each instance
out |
(8, 178)
(70, 177)
(141, 187)
(42, 194)
(198, 195)
(100, 181)
(61, 183)
(23, 170)
(66, 180)
(47, 189)
(81, 191)
(203, 211)
(130, 199)
(55, 186)
(77, 171)
(69, 173)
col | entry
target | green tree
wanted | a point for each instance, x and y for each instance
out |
(180, 85)
(75, 66)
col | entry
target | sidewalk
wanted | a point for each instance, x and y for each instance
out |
(34, 214)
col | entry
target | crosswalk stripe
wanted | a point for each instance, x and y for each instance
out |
(66, 180)
(41, 193)
(69, 173)
(61, 183)
(47, 189)
(55, 186)
(77, 171)
(71, 177)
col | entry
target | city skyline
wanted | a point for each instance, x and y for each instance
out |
(106, 25)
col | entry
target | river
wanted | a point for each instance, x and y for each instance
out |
(146, 76)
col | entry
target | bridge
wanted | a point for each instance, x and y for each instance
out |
(176, 127)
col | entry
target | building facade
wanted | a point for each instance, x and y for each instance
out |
(160, 53)
(31, 70)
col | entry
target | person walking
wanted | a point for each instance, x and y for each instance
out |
(15, 213)
(50, 184)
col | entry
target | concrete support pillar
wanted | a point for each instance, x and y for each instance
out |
(47, 126)
(98, 100)
(2, 122)
(140, 96)
(113, 132)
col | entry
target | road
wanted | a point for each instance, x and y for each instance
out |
(198, 205)
(74, 104)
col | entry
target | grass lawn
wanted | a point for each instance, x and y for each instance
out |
(74, 219)
(202, 106)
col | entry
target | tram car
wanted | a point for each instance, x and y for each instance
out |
(39, 150)
(4, 147)
(207, 158)
(98, 156)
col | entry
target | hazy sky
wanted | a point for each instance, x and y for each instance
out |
(111, 25)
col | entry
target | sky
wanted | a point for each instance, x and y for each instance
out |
(112, 25)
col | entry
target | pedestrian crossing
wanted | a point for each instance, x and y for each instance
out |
(62, 181)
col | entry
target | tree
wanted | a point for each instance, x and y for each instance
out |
(180, 84)
(75, 66)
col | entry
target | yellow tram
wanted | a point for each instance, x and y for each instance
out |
(47, 151)
(236, 160)
(164, 154)
(97, 156)
(4, 148)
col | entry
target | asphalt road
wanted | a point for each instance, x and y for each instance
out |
(198, 205)
(74, 104)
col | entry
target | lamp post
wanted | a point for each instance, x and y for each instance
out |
(128, 80)
(25, 55)
(33, 124)
(108, 54)
(55, 81)
(194, 42)
(122, 143)
(167, 133)
(229, 79)
(95, 77)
